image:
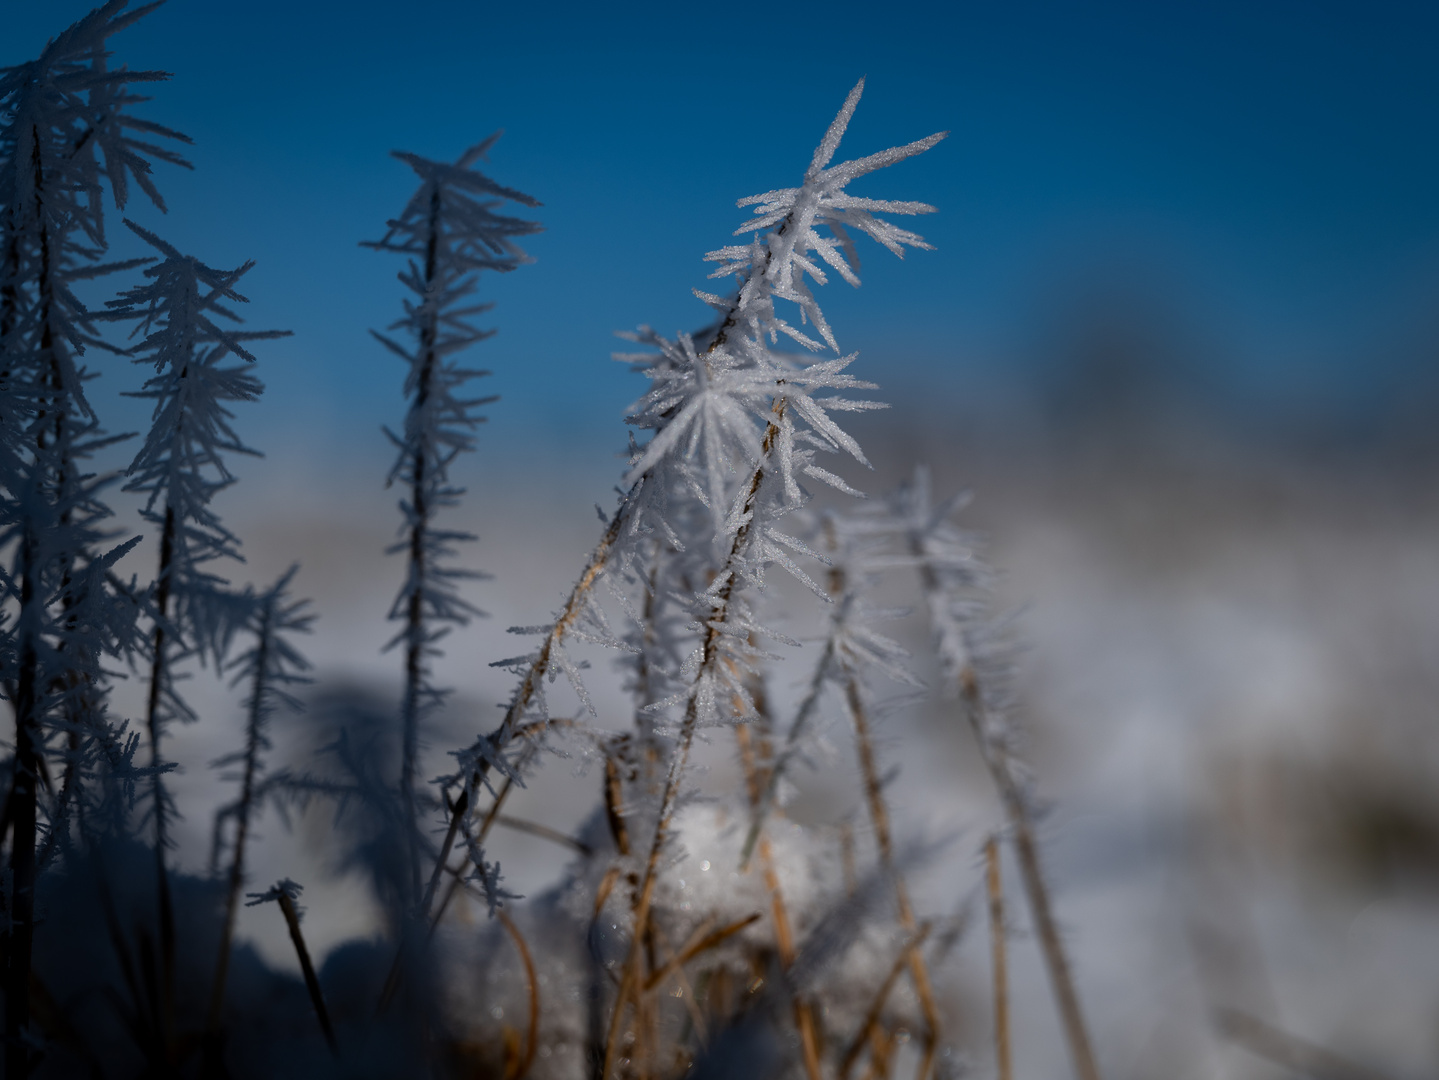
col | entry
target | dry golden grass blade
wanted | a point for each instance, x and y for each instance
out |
(532, 1035)
(1052, 945)
(614, 802)
(607, 886)
(747, 762)
(687, 993)
(882, 1044)
(544, 832)
(879, 816)
(664, 971)
(994, 887)
(871, 1023)
(701, 940)
(629, 976)
(1061, 978)
(804, 1017)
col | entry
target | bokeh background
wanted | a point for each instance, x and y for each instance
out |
(1178, 334)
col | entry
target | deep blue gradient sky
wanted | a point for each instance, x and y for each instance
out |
(1275, 165)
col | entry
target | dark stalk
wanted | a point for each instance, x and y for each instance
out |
(159, 674)
(312, 984)
(164, 902)
(28, 709)
(242, 821)
(21, 941)
(419, 516)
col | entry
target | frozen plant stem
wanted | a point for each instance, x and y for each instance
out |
(65, 129)
(19, 945)
(1027, 851)
(879, 816)
(700, 407)
(284, 893)
(949, 575)
(451, 234)
(312, 984)
(735, 377)
(271, 664)
(865, 1036)
(532, 982)
(1052, 945)
(236, 879)
(783, 933)
(28, 737)
(764, 800)
(995, 889)
(419, 525)
(709, 657)
(843, 590)
(164, 901)
(180, 468)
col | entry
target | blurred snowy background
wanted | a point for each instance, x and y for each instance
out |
(1178, 337)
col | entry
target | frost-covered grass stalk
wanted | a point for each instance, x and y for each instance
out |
(977, 672)
(688, 936)
(285, 893)
(65, 127)
(999, 962)
(701, 412)
(451, 233)
(270, 667)
(182, 465)
(857, 651)
(179, 314)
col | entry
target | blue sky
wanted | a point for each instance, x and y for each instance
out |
(1275, 164)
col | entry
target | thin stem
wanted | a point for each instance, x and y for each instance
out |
(21, 938)
(1052, 946)
(28, 710)
(158, 674)
(764, 801)
(876, 1007)
(312, 984)
(544, 832)
(415, 631)
(532, 1036)
(242, 823)
(1016, 804)
(1041, 908)
(456, 816)
(1286, 1050)
(701, 940)
(784, 935)
(709, 656)
(995, 889)
(879, 815)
